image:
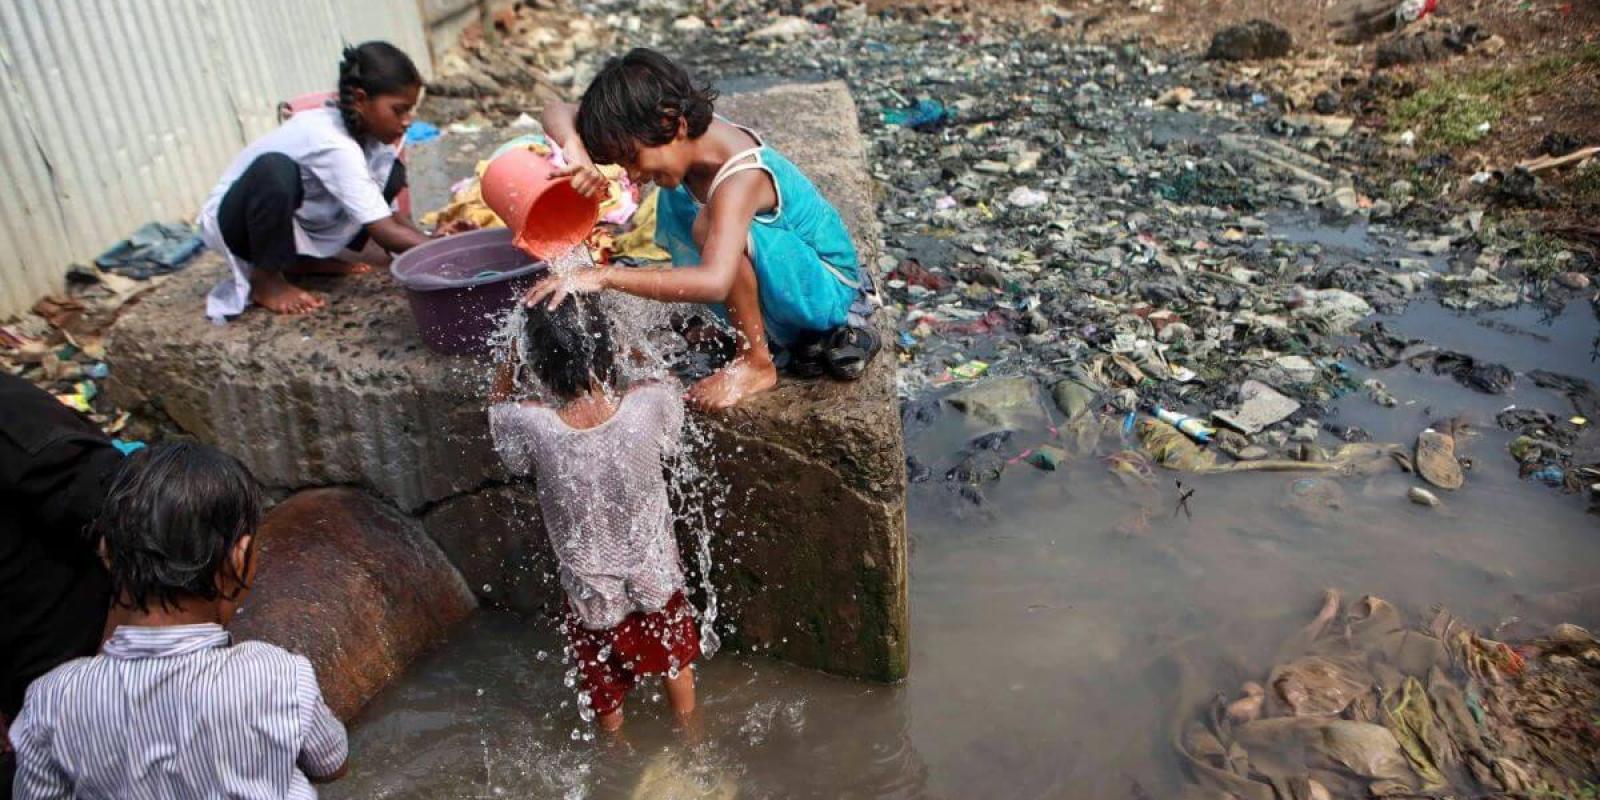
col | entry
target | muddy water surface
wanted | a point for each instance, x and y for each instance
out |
(1058, 629)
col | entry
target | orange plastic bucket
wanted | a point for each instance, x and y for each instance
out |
(546, 215)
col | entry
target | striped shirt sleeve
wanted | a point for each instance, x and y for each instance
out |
(323, 747)
(39, 776)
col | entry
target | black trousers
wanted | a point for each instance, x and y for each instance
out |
(256, 216)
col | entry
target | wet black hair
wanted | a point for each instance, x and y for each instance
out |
(375, 68)
(170, 523)
(637, 101)
(570, 348)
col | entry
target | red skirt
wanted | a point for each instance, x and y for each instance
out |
(612, 660)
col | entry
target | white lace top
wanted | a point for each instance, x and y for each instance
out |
(603, 494)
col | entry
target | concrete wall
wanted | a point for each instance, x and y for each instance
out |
(114, 113)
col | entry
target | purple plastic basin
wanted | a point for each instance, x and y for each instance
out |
(462, 285)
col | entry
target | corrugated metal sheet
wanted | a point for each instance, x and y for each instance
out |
(117, 112)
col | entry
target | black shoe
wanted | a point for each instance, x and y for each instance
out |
(850, 349)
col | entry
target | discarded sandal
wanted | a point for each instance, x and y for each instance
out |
(1436, 459)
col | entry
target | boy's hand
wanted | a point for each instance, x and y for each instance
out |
(556, 288)
(587, 179)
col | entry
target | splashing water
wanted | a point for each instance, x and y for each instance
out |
(649, 350)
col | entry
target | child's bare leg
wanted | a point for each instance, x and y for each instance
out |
(751, 371)
(680, 691)
(680, 697)
(611, 721)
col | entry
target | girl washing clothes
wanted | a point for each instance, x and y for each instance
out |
(746, 229)
(598, 452)
(318, 186)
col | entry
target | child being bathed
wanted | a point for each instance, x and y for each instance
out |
(597, 452)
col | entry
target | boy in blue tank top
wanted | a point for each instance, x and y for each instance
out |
(745, 228)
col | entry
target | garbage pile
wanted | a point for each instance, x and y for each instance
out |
(1201, 237)
(514, 62)
(59, 345)
(1043, 201)
(1362, 704)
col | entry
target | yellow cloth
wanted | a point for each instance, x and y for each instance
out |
(640, 241)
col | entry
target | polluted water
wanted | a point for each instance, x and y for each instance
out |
(1063, 631)
(1068, 629)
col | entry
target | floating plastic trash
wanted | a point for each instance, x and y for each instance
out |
(419, 132)
(925, 114)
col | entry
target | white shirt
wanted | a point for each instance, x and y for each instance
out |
(174, 712)
(603, 497)
(343, 181)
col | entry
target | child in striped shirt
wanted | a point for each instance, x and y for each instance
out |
(169, 708)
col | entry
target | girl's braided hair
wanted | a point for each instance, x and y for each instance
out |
(375, 68)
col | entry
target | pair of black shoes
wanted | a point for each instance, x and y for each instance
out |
(842, 353)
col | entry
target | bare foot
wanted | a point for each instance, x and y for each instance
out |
(329, 266)
(275, 293)
(732, 384)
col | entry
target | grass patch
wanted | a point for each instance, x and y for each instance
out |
(1451, 110)
(1539, 254)
(1584, 186)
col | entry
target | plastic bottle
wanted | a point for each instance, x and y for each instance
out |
(1192, 427)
